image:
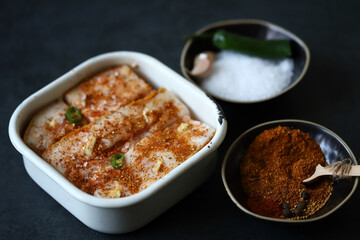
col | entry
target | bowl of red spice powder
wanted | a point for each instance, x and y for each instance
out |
(264, 168)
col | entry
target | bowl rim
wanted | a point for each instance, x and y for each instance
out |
(72, 190)
(248, 21)
(232, 146)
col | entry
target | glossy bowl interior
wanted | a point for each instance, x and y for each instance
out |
(334, 148)
(252, 28)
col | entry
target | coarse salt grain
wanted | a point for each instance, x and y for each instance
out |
(238, 77)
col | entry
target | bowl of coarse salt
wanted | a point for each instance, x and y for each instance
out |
(244, 61)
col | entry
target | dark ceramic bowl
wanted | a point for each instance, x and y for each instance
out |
(252, 28)
(334, 148)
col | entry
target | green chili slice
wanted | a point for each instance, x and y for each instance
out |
(117, 160)
(73, 115)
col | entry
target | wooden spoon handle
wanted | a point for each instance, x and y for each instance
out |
(355, 170)
(322, 171)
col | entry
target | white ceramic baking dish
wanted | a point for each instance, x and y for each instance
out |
(129, 213)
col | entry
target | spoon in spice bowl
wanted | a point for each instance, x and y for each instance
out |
(339, 169)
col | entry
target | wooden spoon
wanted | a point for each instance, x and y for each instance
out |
(323, 171)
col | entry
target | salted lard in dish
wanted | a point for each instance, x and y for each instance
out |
(131, 144)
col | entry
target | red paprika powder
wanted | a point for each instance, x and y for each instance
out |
(272, 171)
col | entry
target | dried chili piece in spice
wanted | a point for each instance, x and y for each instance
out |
(272, 171)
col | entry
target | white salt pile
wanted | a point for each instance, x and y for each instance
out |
(240, 77)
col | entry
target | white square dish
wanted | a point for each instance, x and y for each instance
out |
(130, 213)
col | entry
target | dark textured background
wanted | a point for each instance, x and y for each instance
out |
(41, 40)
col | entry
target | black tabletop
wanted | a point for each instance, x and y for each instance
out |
(41, 40)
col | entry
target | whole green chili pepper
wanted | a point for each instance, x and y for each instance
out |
(224, 40)
(276, 48)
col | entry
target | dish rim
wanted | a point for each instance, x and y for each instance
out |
(232, 146)
(53, 174)
(268, 24)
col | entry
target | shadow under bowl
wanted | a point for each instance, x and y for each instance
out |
(334, 148)
(252, 28)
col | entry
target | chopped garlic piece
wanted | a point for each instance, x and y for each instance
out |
(111, 190)
(157, 165)
(53, 122)
(89, 147)
(115, 192)
(183, 127)
(145, 111)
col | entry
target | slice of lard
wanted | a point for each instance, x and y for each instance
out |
(107, 91)
(48, 126)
